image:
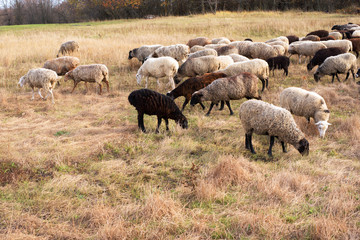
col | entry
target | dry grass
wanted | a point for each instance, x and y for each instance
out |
(81, 169)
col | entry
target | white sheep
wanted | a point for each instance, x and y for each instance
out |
(345, 45)
(280, 43)
(225, 61)
(214, 46)
(68, 48)
(305, 48)
(281, 38)
(306, 104)
(143, 52)
(243, 47)
(356, 33)
(238, 57)
(89, 73)
(205, 52)
(342, 63)
(217, 40)
(178, 51)
(62, 65)
(262, 50)
(336, 35)
(40, 78)
(158, 68)
(258, 67)
(266, 119)
(196, 48)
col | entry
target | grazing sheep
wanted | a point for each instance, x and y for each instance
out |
(305, 48)
(280, 43)
(292, 38)
(342, 63)
(153, 103)
(238, 58)
(68, 48)
(214, 46)
(262, 50)
(281, 38)
(158, 68)
(62, 65)
(197, 66)
(226, 50)
(205, 52)
(201, 41)
(196, 48)
(279, 62)
(319, 33)
(345, 45)
(266, 119)
(243, 85)
(89, 73)
(312, 38)
(224, 41)
(321, 55)
(356, 45)
(40, 78)
(355, 34)
(327, 38)
(225, 61)
(191, 85)
(243, 47)
(143, 52)
(217, 40)
(344, 27)
(336, 35)
(179, 52)
(306, 104)
(280, 50)
(258, 67)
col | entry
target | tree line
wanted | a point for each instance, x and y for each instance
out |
(67, 11)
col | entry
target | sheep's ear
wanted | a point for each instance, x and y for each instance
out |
(327, 110)
(322, 101)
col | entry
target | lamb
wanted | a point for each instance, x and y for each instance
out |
(292, 38)
(153, 103)
(143, 52)
(305, 48)
(226, 50)
(196, 48)
(179, 52)
(262, 50)
(197, 66)
(258, 67)
(319, 33)
(313, 38)
(345, 45)
(229, 88)
(336, 35)
(68, 48)
(201, 41)
(62, 65)
(321, 55)
(266, 119)
(158, 68)
(306, 104)
(238, 58)
(279, 62)
(40, 78)
(205, 52)
(342, 63)
(356, 45)
(89, 73)
(191, 85)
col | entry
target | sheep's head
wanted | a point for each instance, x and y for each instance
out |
(182, 121)
(310, 66)
(67, 76)
(317, 75)
(196, 98)
(292, 50)
(170, 94)
(22, 81)
(130, 55)
(303, 147)
(177, 78)
(322, 127)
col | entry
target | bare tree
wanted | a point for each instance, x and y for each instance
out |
(213, 5)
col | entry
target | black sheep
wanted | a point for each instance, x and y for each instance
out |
(153, 103)
(321, 55)
(292, 38)
(356, 45)
(319, 33)
(279, 62)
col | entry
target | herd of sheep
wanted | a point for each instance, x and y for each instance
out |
(219, 70)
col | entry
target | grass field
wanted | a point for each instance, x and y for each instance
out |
(81, 169)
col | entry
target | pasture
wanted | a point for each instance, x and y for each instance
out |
(81, 168)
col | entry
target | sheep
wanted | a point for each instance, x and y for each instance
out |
(258, 67)
(312, 38)
(205, 52)
(196, 48)
(143, 52)
(68, 48)
(229, 88)
(243, 47)
(355, 34)
(342, 63)
(179, 52)
(305, 48)
(225, 61)
(201, 41)
(279, 62)
(217, 40)
(226, 50)
(191, 85)
(327, 38)
(40, 78)
(214, 46)
(281, 43)
(238, 58)
(306, 104)
(336, 35)
(346, 45)
(344, 27)
(319, 33)
(153, 103)
(264, 118)
(280, 50)
(158, 68)
(197, 66)
(292, 38)
(356, 45)
(89, 73)
(62, 65)
(262, 50)
(281, 38)
(224, 41)
(321, 55)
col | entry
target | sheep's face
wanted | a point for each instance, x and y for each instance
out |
(303, 147)
(67, 76)
(292, 50)
(196, 98)
(317, 76)
(309, 66)
(322, 127)
(177, 78)
(183, 122)
(130, 55)
(22, 81)
(170, 95)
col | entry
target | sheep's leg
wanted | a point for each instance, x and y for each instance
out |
(211, 106)
(39, 91)
(353, 73)
(263, 84)
(337, 76)
(172, 83)
(141, 121)
(158, 125)
(185, 103)
(249, 140)
(107, 85)
(347, 76)
(146, 81)
(228, 104)
(202, 105)
(333, 77)
(286, 71)
(246, 142)
(75, 83)
(33, 93)
(167, 124)
(86, 86)
(158, 82)
(272, 140)
(283, 145)
(100, 88)
(221, 105)
(299, 59)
